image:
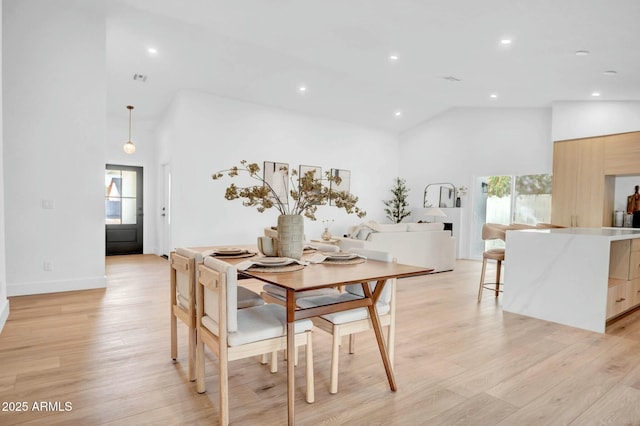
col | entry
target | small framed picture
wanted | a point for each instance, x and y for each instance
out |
(276, 176)
(345, 182)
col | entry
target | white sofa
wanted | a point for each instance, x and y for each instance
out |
(420, 244)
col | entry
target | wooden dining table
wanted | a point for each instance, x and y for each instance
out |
(323, 275)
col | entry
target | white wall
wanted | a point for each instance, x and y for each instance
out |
(464, 143)
(4, 303)
(209, 133)
(572, 120)
(54, 144)
(142, 135)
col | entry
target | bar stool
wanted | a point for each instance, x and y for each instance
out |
(492, 231)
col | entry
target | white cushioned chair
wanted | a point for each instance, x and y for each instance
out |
(233, 333)
(274, 294)
(353, 321)
(183, 268)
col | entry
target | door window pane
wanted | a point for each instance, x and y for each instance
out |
(112, 212)
(128, 183)
(128, 211)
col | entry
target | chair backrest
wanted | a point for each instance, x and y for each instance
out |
(184, 270)
(227, 284)
(382, 256)
(494, 231)
(548, 225)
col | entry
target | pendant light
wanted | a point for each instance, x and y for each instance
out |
(129, 147)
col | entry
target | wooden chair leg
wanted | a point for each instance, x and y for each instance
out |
(295, 356)
(274, 362)
(391, 341)
(223, 378)
(200, 386)
(499, 267)
(174, 336)
(335, 358)
(352, 343)
(192, 354)
(263, 359)
(311, 395)
(484, 267)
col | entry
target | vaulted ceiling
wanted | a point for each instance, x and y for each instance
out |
(380, 63)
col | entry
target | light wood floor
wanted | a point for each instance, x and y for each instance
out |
(457, 362)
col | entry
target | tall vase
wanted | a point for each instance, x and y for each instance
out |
(290, 235)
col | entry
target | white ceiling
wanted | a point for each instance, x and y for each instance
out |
(261, 50)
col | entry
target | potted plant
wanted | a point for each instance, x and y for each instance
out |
(397, 207)
(307, 193)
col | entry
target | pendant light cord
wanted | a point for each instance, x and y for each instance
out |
(130, 108)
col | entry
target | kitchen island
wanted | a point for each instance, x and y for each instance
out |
(581, 277)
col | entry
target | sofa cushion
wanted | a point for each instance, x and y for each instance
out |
(419, 227)
(391, 227)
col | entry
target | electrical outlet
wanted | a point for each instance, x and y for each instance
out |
(47, 265)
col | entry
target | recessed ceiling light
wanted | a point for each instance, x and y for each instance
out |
(393, 57)
(506, 41)
(582, 52)
(302, 89)
(152, 50)
(493, 95)
(610, 72)
(398, 113)
(595, 94)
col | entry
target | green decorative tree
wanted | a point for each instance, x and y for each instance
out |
(397, 207)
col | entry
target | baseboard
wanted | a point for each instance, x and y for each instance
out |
(43, 287)
(4, 313)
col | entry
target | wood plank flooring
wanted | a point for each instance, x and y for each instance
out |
(106, 354)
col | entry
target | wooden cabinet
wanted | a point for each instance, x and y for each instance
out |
(622, 154)
(624, 277)
(619, 298)
(582, 194)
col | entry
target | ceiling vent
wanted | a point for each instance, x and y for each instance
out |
(451, 78)
(140, 77)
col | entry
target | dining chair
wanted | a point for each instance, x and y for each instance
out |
(232, 333)
(492, 231)
(348, 323)
(183, 263)
(274, 294)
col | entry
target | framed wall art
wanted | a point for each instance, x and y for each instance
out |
(345, 181)
(316, 170)
(276, 175)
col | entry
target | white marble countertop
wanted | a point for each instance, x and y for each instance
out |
(610, 234)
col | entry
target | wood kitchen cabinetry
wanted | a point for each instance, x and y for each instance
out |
(624, 277)
(584, 172)
(582, 194)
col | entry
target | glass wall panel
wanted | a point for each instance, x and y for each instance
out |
(532, 202)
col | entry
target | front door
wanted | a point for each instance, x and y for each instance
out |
(123, 209)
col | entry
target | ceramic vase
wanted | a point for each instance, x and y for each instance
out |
(290, 235)
(326, 235)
